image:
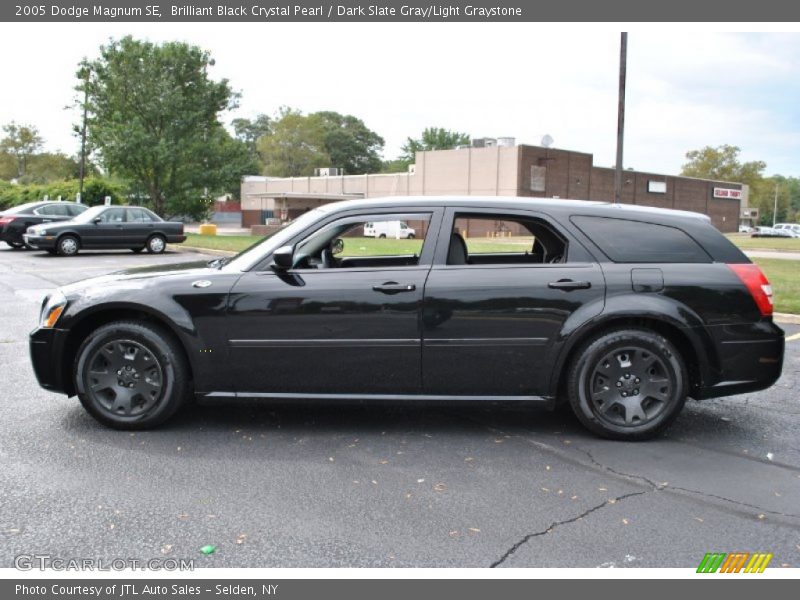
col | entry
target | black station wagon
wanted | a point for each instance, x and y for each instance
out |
(621, 311)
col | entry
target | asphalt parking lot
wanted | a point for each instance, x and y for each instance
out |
(378, 486)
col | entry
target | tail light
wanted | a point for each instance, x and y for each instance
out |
(6, 220)
(757, 284)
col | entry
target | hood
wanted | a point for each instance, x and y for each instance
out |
(140, 277)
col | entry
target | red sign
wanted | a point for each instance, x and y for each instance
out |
(727, 193)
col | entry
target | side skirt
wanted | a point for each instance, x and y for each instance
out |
(546, 400)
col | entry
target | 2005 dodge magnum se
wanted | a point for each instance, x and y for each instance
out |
(621, 311)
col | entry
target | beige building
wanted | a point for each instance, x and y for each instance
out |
(496, 170)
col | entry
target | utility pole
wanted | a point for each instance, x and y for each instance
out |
(82, 172)
(775, 208)
(623, 60)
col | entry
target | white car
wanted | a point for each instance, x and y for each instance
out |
(389, 229)
(792, 228)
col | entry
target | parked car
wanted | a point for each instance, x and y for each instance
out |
(15, 221)
(792, 228)
(763, 232)
(746, 229)
(392, 229)
(622, 312)
(107, 227)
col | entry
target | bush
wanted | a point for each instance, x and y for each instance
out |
(94, 192)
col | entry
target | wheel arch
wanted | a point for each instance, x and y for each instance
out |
(91, 320)
(695, 346)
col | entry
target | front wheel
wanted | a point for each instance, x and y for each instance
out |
(131, 375)
(627, 384)
(156, 244)
(68, 245)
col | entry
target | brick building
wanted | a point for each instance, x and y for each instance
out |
(496, 169)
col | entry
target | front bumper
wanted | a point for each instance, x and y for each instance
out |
(47, 352)
(42, 242)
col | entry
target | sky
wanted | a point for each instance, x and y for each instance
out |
(687, 87)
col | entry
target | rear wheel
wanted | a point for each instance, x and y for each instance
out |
(627, 384)
(16, 245)
(68, 245)
(131, 375)
(156, 244)
(410, 236)
(382, 236)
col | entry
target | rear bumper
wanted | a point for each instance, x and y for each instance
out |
(47, 349)
(176, 239)
(751, 359)
(9, 235)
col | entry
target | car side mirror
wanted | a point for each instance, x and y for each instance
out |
(283, 258)
(337, 246)
(97, 220)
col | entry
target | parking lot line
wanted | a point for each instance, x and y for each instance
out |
(794, 337)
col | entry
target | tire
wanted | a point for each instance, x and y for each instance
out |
(382, 236)
(68, 245)
(156, 244)
(627, 384)
(128, 355)
(410, 236)
(16, 245)
(137, 250)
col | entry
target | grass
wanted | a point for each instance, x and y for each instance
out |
(355, 246)
(784, 275)
(745, 242)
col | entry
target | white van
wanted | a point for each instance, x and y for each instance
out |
(389, 229)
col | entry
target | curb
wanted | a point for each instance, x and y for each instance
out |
(193, 250)
(786, 318)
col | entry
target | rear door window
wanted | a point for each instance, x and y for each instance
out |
(627, 241)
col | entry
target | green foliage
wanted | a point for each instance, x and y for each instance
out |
(153, 117)
(299, 143)
(250, 130)
(349, 143)
(398, 165)
(20, 142)
(722, 163)
(295, 147)
(433, 138)
(94, 192)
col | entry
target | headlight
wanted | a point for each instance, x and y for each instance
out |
(52, 307)
(36, 231)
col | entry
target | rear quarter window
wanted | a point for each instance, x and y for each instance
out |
(627, 241)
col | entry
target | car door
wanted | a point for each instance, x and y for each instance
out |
(491, 320)
(351, 328)
(138, 227)
(107, 231)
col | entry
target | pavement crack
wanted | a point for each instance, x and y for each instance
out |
(611, 502)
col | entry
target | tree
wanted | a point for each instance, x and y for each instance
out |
(349, 143)
(153, 117)
(249, 131)
(295, 147)
(433, 138)
(722, 163)
(21, 141)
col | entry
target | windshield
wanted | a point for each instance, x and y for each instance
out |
(255, 253)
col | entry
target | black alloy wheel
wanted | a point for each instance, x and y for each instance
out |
(627, 384)
(131, 375)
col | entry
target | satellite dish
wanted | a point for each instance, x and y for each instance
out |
(547, 140)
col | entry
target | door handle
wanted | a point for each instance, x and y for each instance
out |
(392, 287)
(568, 285)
